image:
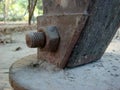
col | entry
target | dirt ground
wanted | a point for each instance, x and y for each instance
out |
(105, 71)
(9, 53)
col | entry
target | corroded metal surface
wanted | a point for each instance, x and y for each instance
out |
(52, 38)
(35, 39)
(69, 28)
(65, 6)
(69, 17)
(46, 38)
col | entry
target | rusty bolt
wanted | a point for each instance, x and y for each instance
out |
(46, 38)
(35, 39)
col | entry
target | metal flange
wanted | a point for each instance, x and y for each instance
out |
(69, 27)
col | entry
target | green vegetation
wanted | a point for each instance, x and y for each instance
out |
(17, 10)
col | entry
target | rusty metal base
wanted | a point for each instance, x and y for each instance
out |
(69, 28)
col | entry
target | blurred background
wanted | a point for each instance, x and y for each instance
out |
(20, 11)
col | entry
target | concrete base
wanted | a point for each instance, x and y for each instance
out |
(29, 74)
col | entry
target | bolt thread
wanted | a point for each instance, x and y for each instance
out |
(35, 39)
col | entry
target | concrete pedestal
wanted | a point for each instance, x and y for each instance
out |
(29, 73)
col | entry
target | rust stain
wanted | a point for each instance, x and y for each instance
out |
(69, 28)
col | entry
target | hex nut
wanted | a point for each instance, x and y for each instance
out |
(52, 38)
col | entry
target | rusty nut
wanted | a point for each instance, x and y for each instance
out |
(52, 38)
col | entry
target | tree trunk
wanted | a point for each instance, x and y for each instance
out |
(31, 8)
(101, 26)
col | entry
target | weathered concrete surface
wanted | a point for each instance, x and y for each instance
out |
(101, 75)
(9, 54)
